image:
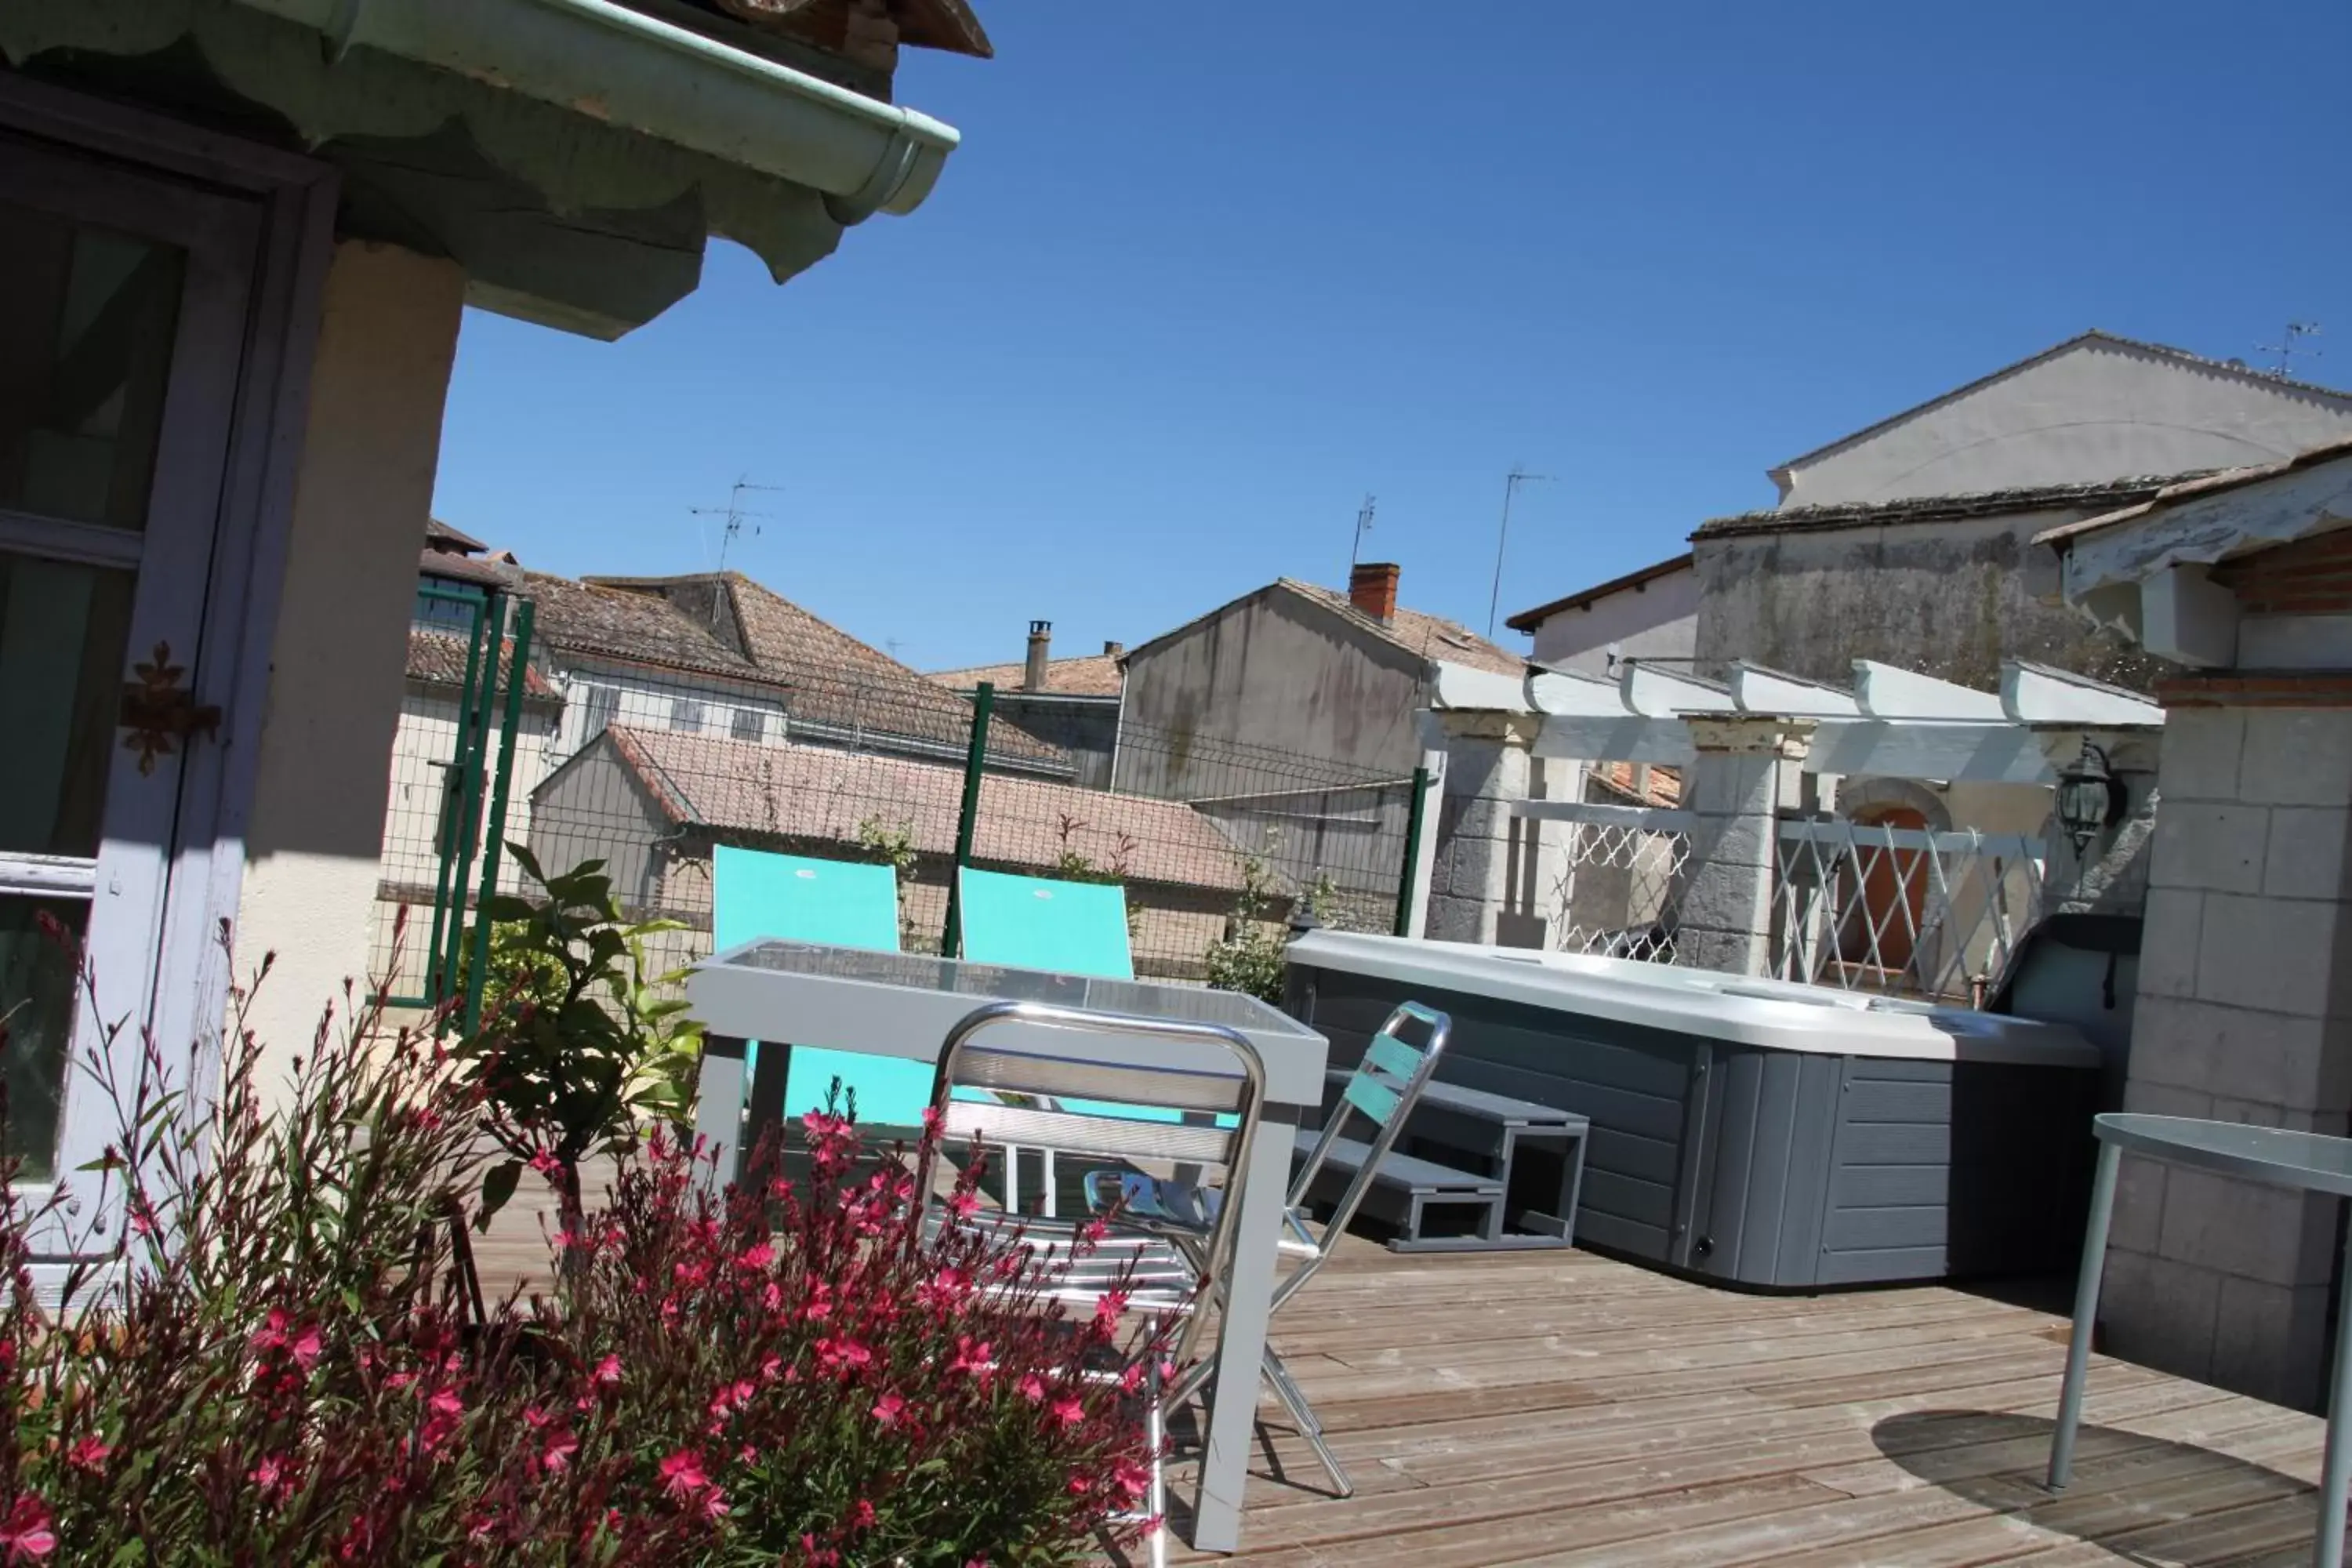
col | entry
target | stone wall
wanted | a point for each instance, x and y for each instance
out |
(2244, 1014)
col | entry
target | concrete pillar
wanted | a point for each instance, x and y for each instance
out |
(1478, 839)
(387, 338)
(2244, 1014)
(1745, 767)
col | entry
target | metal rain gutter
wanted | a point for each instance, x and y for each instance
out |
(641, 74)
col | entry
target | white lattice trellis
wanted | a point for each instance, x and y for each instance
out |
(1616, 878)
(1903, 911)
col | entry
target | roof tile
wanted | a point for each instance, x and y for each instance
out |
(824, 794)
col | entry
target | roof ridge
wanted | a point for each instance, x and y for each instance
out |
(2088, 335)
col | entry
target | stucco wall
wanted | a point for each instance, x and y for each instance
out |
(2099, 411)
(1270, 670)
(1088, 731)
(371, 443)
(1659, 620)
(1950, 599)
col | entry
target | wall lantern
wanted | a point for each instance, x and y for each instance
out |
(2090, 798)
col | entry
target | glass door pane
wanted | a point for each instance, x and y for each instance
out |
(87, 320)
(64, 640)
(36, 998)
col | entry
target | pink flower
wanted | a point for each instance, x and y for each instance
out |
(1080, 1485)
(1108, 1308)
(1031, 1388)
(89, 1453)
(1132, 1378)
(682, 1475)
(963, 1205)
(861, 1516)
(843, 1354)
(1134, 1480)
(734, 1396)
(546, 1164)
(560, 1446)
(142, 1223)
(445, 1411)
(271, 1335)
(25, 1533)
(268, 1475)
(757, 1256)
(887, 1409)
(306, 1348)
(714, 1505)
(607, 1374)
(1091, 1233)
(1069, 1410)
(976, 1358)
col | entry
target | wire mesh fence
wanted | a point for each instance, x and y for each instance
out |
(1616, 879)
(1903, 911)
(650, 769)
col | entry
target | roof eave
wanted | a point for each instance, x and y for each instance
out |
(642, 74)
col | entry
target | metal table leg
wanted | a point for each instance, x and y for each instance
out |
(719, 1108)
(2086, 1313)
(2336, 1470)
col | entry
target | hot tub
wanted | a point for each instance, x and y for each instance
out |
(1755, 1132)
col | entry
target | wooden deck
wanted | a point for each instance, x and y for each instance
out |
(1564, 1408)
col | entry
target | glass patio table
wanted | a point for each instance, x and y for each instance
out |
(2304, 1162)
(903, 1005)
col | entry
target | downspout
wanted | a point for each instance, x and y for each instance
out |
(639, 73)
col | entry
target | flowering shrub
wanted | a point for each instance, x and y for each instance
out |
(274, 1362)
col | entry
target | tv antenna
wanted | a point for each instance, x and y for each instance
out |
(735, 516)
(2292, 343)
(1363, 527)
(1511, 483)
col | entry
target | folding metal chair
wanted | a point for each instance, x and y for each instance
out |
(1113, 1061)
(1384, 1090)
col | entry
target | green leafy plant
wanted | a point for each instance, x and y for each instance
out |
(580, 1043)
(1248, 956)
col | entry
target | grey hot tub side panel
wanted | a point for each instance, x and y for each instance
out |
(1635, 1089)
(1774, 1168)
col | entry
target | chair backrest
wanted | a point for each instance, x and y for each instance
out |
(1039, 922)
(838, 903)
(1072, 1102)
(1384, 1090)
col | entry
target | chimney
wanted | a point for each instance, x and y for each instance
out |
(1114, 649)
(1371, 588)
(1040, 637)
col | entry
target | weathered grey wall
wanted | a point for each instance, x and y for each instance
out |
(2099, 411)
(1088, 731)
(1659, 620)
(593, 809)
(1949, 598)
(1270, 670)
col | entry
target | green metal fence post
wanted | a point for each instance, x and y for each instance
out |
(983, 703)
(473, 741)
(1412, 817)
(447, 828)
(518, 667)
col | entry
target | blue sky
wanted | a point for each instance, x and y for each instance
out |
(1201, 278)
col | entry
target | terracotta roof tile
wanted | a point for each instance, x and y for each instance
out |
(1092, 675)
(1944, 509)
(823, 793)
(438, 658)
(1432, 636)
(725, 624)
(1621, 779)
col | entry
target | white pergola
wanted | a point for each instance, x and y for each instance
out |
(1892, 723)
